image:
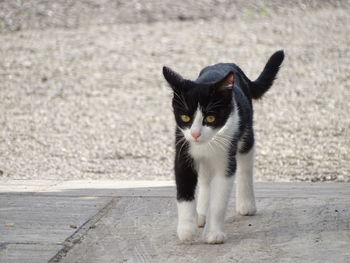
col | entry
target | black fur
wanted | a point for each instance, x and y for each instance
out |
(266, 78)
(185, 174)
(215, 97)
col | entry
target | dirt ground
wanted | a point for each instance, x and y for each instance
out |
(82, 94)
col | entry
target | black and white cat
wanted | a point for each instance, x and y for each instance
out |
(214, 142)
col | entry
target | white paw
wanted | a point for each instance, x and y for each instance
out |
(246, 208)
(186, 232)
(215, 237)
(201, 220)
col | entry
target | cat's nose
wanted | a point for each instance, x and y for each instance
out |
(195, 135)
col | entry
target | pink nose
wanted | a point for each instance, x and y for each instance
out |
(195, 134)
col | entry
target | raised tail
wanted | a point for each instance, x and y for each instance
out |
(267, 76)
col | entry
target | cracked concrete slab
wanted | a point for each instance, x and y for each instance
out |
(36, 227)
(286, 229)
(106, 221)
(27, 252)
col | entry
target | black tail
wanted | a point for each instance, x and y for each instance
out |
(266, 78)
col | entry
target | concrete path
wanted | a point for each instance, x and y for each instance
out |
(135, 221)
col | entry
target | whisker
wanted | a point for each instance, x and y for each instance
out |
(224, 136)
(224, 140)
(227, 139)
(181, 99)
(214, 105)
(179, 141)
(211, 147)
(180, 102)
(219, 145)
(183, 144)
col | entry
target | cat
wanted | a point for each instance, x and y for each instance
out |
(214, 142)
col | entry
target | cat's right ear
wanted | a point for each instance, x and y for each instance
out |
(174, 79)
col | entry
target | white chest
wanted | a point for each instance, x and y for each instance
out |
(212, 157)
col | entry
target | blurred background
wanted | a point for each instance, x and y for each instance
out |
(82, 95)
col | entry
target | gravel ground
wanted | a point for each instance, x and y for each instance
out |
(82, 95)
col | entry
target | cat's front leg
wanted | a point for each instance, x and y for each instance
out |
(203, 195)
(220, 190)
(245, 199)
(186, 182)
(186, 228)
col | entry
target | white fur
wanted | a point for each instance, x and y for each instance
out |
(245, 199)
(203, 192)
(211, 159)
(186, 228)
(197, 126)
(221, 186)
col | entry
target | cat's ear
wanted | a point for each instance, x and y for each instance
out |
(174, 79)
(226, 83)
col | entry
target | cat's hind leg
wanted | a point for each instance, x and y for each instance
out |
(245, 198)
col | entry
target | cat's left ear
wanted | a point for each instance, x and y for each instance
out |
(226, 83)
(173, 78)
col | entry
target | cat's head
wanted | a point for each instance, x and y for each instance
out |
(200, 109)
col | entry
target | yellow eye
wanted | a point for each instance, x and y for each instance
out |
(210, 118)
(185, 118)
